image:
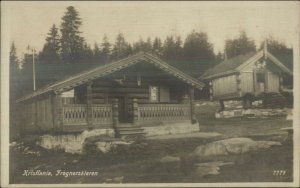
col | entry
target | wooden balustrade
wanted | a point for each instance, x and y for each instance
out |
(76, 114)
(102, 114)
(163, 112)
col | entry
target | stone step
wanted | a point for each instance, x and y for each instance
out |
(132, 132)
(130, 129)
(126, 125)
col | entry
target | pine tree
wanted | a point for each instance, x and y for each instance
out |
(240, 45)
(14, 72)
(13, 59)
(197, 48)
(157, 47)
(86, 56)
(168, 48)
(147, 45)
(121, 48)
(178, 49)
(72, 44)
(142, 46)
(105, 49)
(97, 56)
(51, 50)
(172, 49)
(279, 50)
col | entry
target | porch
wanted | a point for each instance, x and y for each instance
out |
(84, 116)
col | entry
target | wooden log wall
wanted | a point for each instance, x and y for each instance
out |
(273, 82)
(103, 91)
(36, 115)
(247, 82)
(224, 86)
(102, 95)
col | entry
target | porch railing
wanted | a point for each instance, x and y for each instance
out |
(102, 113)
(76, 114)
(163, 112)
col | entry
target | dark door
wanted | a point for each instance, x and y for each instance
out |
(123, 111)
(260, 82)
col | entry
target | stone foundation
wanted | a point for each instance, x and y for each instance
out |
(171, 128)
(251, 113)
(72, 143)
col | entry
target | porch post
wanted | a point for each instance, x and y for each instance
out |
(192, 94)
(210, 91)
(280, 82)
(135, 111)
(57, 112)
(89, 105)
(239, 86)
(115, 109)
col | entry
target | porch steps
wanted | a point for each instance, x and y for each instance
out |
(129, 130)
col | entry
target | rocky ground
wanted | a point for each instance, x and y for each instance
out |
(259, 152)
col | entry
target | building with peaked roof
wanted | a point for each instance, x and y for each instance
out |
(140, 94)
(247, 77)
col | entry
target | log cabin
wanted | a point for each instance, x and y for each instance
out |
(140, 94)
(248, 77)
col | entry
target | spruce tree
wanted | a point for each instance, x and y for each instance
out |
(157, 47)
(13, 59)
(105, 49)
(51, 49)
(197, 48)
(97, 57)
(72, 44)
(121, 48)
(241, 45)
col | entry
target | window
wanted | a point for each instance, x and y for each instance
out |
(153, 93)
(260, 77)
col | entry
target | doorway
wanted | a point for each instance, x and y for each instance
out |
(260, 82)
(123, 110)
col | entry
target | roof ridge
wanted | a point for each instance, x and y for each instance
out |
(174, 68)
(231, 63)
(94, 73)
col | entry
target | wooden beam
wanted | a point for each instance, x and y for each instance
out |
(135, 111)
(238, 84)
(120, 90)
(211, 96)
(57, 112)
(89, 104)
(115, 111)
(192, 95)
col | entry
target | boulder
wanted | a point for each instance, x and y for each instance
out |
(232, 146)
(168, 159)
(12, 144)
(73, 143)
(212, 168)
(106, 146)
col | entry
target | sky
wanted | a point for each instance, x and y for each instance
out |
(29, 22)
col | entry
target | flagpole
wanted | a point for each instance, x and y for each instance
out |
(33, 69)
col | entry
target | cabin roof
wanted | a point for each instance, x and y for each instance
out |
(227, 65)
(235, 64)
(103, 70)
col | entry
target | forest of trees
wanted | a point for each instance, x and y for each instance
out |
(66, 45)
(194, 54)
